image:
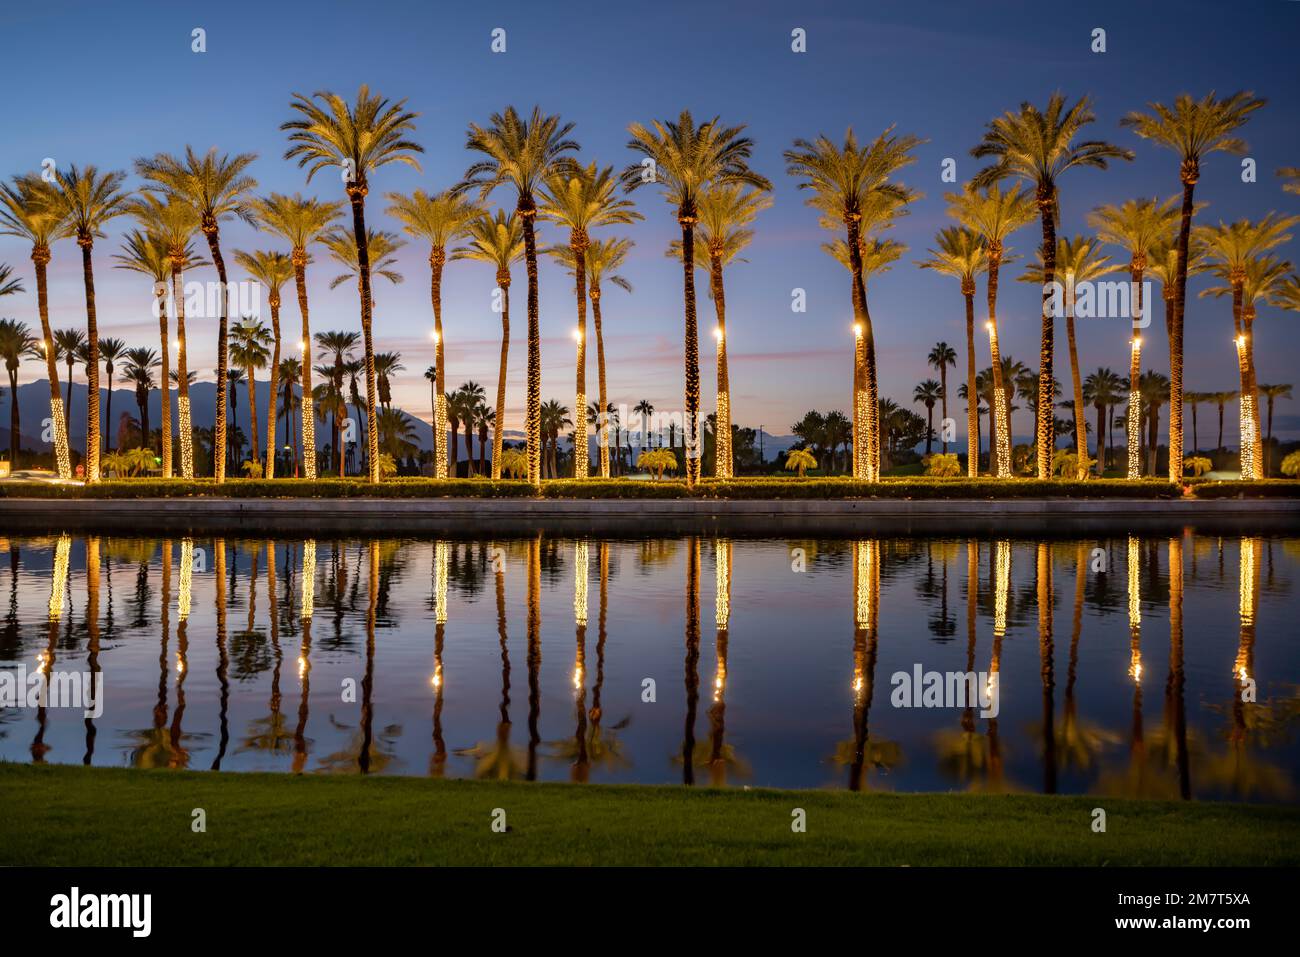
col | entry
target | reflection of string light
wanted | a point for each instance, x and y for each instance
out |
(1001, 587)
(436, 680)
(187, 577)
(720, 681)
(722, 587)
(42, 660)
(863, 560)
(303, 666)
(1247, 587)
(441, 557)
(180, 664)
(1134, 595)
(579, 675)
(62, 548)
(580, 572)
(308, 578)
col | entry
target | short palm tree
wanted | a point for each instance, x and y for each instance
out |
(961, 254)
(929, 393)
(994, 214)
(358, 138)
(387, 364)
(800, 460)
(499, 241)
(523, 153)
(555, 418)
(84, 199)
(16, 344)
(272, 269)
(27, 211)
(290, 375)
(110, 350)
(940, 358)
(1193, 129)
(173, 223)
(1037, 147)
(852, 184)
(68, 346)
(341, 345)
(1192, 400)
(470, 398)
(301, 222)
(440, 221)
(215, 187)
(249, 352)
(725, 215)
(1102, 390)
(141, 362)
(683, 159)
(1080, 261)
(1234, 250)
(582, 199)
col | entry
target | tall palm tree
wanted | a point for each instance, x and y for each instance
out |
(1193, 129)
(725, 214)
(961, 254)
(146, 253)
(8, 285)
(523, 153)
(84, 200)
(358, 138)
(994, 215)
(1236, 253)
(1271, 393)
(1102, 390)
(852, 185)
(684, 159)
(439, 220)
(1080, 261)
(110, 350)
(16, 344)
(68, 345)
(582, 199)
(499, 241)
(555, 418)
(173, 222)
(928, 392)
(141, 362)
(604, 256)
(301, 222)
(215, 187)
(249, 352)
(272, 269)
(1037, 146)
(27, 211)
(234, 376)
(940, 358)
(341, 345)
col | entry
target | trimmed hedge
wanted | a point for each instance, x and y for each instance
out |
(740, 488)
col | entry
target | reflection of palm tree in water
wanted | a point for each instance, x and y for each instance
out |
(1174, 686)
(92, 635)
(181, 757)
(866, 590)
(368, 682)
(581, 767)
(152, 749)
(1078, 742)
(223, 655)
(534, 651)
(692, 664)
(1001, 555)
(1046, 669)
(269, 733)
(306, 609)
(438, 763)
(964, 754)
(62, 551)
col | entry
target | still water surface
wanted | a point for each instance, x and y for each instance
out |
(702, 661)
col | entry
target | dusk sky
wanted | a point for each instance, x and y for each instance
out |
(104, 84)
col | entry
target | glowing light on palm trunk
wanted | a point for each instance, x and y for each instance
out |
(1134, 410)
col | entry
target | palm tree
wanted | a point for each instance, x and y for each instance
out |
(1037, 147)
(994, 215)
(582, 199)
(1193, 129)
(387, 364)
(499, 241)
(16, 343)
(684, 159)
(272, 269)
(249, 352)
(301, 222)
(940, 357)
(110, 350)
(523, 153)
(485, 419)
(603, 257)
(215, 188)
(8, 286)
(234, 376)
(68, 346)
(359, 139)
(439, 220)
(454, 404)
(1272, 393)
(172, 222)
(28, 212)
(147, 253)
(1193, 399)
(1102, 390)
(961, 254)
(84, 200)
(341, 345)
(1080, 260)
(470, 397)
(725, 214)
(801, 460)
(851, 184)
(289, 375)
(1154, 390)
(928, 392)
(1236, 251)
(555, 417)
(141, 362)
(1221, 399)
(646, 413)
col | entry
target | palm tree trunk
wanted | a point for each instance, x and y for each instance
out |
(219, 427)
(1195, 442)
(1256, 434)
(503, 280)
(185, 421)
(454, 450)
(306, 416)
(255, 448)
(14, 424)
(1101, 438)
(1080, 428)
(67, 404)
(357, 195)
(1189, 173)
(437, 257)
(603, 436)
(1220, 445)
(108, 374)
(1268, 447)
(272, 390)
(999, 408)
(143, 406)
(862, 402)
(943, 412)
(533, 396)
(578, 243)
(972, 393)
(1045, 419)
(58, 414)
(469, 447)
(92, 365)
(724, 467)
(686, 219)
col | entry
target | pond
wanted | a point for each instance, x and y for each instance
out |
(1147, 666)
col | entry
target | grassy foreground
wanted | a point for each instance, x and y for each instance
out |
(68, 815)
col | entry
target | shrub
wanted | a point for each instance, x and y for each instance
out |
(942, 465)
(1197, 465)
(1291, 464)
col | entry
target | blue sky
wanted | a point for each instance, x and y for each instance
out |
(105, 84)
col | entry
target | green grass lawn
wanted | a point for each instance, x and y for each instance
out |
(68, 815)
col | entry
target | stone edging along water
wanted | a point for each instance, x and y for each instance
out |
(517, 516)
